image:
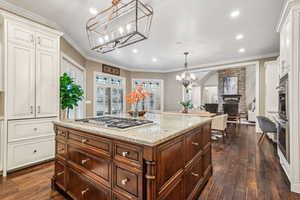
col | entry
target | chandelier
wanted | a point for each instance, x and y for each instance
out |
(186, 78)
(120, 25)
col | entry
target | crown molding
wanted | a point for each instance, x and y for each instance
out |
(226, 62)
(289, 5)
(9, 7)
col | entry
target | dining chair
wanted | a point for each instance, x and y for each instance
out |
(219, 124)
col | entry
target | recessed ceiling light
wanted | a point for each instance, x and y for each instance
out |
(154, 59)
(242, 50)
(93, 11)
(135, 51)
(235, 14)
(239, 37)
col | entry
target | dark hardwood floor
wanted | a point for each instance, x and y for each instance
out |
(242, 170)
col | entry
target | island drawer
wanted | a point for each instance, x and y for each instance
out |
(82, 188)
(60, 174)
(99, 144)
(193, 175)
(128, 181)
(192, 145)
(129, 154)
(94, 164)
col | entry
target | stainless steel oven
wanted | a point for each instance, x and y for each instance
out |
(283, 121)
(283, 98)
(284, 138)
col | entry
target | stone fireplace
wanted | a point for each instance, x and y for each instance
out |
(240, 97)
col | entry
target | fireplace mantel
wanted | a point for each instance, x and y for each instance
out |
(231, 98)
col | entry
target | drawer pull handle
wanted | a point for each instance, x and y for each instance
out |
(34, 151)
(83, 192)
(83, 162)
(60, 173)
(195, 144)
(125, 181)
(125, 153)
(194, 174)
(83, 141)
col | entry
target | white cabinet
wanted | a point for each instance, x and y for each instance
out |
(272, 82)
(285, 48)
(30, 56)
(33, 73)
(20, 34)
(26, 153)
(21, 81)
(47, 95)
(28, 129)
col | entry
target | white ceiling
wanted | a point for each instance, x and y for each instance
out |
(202, 27)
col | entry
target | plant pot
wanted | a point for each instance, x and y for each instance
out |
(137, 113)
(63, 115)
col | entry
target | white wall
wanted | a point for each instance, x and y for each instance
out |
(250, 84)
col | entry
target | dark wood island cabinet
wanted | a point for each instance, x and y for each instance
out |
(90, 165)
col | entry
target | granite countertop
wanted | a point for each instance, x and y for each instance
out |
(165, 127)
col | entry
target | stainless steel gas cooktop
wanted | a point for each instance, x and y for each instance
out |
(116, 122)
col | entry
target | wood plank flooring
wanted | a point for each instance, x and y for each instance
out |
(242, 170)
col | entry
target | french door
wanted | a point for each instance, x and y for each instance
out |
(109, 95)
(154, 102)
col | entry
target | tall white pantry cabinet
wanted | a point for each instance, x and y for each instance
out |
(30, 55)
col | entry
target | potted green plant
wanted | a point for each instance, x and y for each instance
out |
(70, 95)
(186, 106)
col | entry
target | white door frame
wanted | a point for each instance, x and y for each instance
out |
(95, 84)
(162, 92)
(81, 68)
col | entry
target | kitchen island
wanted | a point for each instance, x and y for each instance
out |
(169, 159)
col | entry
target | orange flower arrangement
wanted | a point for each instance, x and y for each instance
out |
(136, 96)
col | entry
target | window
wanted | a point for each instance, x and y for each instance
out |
(155, 100)
(77, 73)
(109, 95)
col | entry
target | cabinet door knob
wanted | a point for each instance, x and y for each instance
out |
(35, 129)
(195, 144)
(83, 192)
(194, 174)
(31, 109)
(34, 151)
(125, 153)
(83, 162)
(124, 181)
(84, 140)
